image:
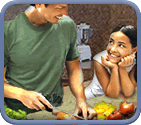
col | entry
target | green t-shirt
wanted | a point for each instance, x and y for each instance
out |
(34, 57)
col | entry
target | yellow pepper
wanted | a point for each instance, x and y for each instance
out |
(104, 108)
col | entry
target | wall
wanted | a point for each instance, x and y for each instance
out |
(102, 18)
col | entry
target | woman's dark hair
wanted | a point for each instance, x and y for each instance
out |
(131, 32)
(34, 5)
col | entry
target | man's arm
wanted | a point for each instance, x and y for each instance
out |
(75, 75)
(30, 99)
(76, 85)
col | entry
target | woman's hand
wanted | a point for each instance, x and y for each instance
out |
(83, 108)
(126, 61)
(33, 100)
(106, 62)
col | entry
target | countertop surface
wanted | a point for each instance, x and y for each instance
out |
(69, 103)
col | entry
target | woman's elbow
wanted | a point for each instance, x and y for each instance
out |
(112, 94)
(128, 94)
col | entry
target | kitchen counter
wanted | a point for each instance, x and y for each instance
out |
(69, 103)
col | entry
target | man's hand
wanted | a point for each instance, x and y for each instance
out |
(34, 100)
(76, 78)
(126, 61)
(30, 99)
(87, 112)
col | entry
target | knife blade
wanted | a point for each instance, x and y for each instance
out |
(55, 112)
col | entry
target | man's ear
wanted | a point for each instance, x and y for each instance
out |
(134, 50)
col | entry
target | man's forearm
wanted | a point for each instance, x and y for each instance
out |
(76, 84)
(12, 92)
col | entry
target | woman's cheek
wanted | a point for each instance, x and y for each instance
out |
(124, 53)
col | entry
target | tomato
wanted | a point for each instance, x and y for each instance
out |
(126, 107)
(65, 116)
(61, 116)
(115, 116)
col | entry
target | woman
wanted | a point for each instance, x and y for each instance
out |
(115, 68)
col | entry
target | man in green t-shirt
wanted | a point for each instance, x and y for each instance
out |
(37, 44)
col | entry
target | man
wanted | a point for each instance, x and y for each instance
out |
(36, 46)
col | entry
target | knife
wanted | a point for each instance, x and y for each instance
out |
(55, 111)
